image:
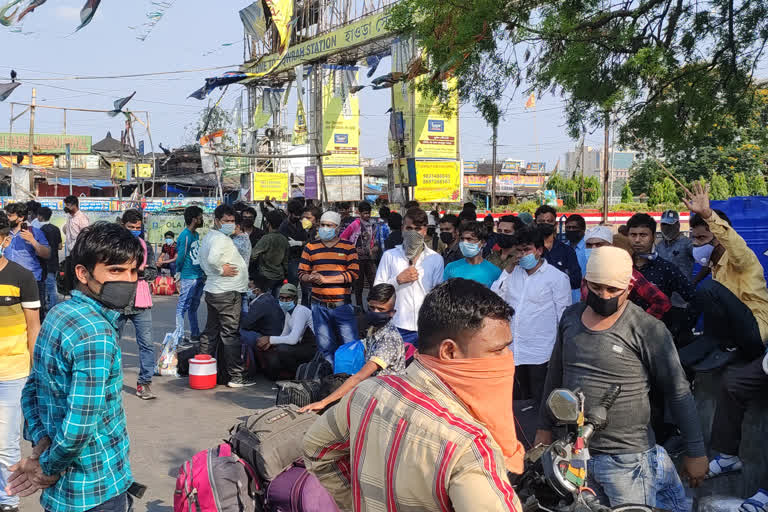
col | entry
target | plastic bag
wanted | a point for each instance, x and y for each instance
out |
(168, 362)
(349, 358)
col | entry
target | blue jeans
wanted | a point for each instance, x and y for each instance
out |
(411, 337)
(648, 478)
(191, 290)
(142, 322)
(333, 328)
(51, 293)
(10, 433)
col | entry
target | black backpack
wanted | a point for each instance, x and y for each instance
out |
(297, 392)
(316, 369)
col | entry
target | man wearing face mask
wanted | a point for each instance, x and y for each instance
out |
(76, 222)
(734, 305)
(329, 265)
(384, 350)
(191, 275)
(72, 401)
(575, 229)
(442, 435)
(139, 312)
(675, 247)
(227, 280)
(281, 353)
(414, 270)
(609, 340)
(539, 293)
(473, 237)
(559, 255)
(449, 238)
(297, 236)
(503, 253)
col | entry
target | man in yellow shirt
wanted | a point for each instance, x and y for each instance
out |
(19, 326)
(735, 309)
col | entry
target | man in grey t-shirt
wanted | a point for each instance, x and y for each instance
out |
(609, 340)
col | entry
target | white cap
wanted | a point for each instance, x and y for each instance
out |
(601, 233)
(332, 217)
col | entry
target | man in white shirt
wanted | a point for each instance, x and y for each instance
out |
(227, 280)
(282, 355)
(76, 222)
(539, 293)
(413, 269)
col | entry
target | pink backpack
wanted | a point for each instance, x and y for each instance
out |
(215, 480)
(143, 296)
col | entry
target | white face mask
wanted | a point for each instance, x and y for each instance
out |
(703, 253)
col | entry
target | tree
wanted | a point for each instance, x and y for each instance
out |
(669, 192)
(570, 193)
(656, 195)
(211, 119)
(718, 187)
(643, 174)
(591, 189)
(626, 194)
(668, 68)
(739, 185)
(556, 182)
(757, 186)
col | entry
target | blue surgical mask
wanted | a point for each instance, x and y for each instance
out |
(287, 306)
(227, 228)
(468, 249)
(588, 252)
(325, 233)
(169, 241)
(528, 261)
(136, 232)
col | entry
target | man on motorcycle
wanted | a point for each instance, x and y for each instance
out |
(609, 340)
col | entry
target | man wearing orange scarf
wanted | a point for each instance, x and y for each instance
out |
(439, 437)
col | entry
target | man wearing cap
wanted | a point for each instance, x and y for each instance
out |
(644, 293)
(608, 340)
(734, 305)
(676, 247)
(282, 355)
(329, 265)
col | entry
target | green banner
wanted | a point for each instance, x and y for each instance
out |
(45, 144)
(360, 32)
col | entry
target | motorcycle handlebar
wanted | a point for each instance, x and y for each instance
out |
(598, 417)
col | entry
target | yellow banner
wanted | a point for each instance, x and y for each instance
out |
(270, 184)
(282, 12)
(144, 170)
(300, 126)
(358, 33)
(342, 171)
(41, 160)
(341, 122)
(435, 133)
(119, 170)
(438, 182)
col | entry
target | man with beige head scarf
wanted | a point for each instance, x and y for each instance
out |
(609, 340)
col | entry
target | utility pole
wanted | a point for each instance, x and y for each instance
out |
(495, 140)
(32, 127)
(581, 178)
(605, 166)
(69, 167)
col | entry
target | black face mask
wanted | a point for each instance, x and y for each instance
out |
(574, 237)
(446, 238)
(67, 210)
(377, 319)
(431, 231)
(116, 294)
(603, 307)
(248, 222)
(505, 240)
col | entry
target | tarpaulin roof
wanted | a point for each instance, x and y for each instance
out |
(77, 182)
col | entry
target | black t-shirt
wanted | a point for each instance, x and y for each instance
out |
(297, 236)
(53, 235)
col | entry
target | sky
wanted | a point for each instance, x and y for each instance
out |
(190, 36)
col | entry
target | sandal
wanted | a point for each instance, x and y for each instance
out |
(757, 503)
(721, 465)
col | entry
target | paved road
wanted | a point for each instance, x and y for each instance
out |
(179, 423)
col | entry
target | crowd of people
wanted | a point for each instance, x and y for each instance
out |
(461, 318)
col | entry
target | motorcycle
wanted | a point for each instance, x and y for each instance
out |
(555, 476)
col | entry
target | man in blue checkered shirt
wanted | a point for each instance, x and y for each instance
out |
(72, 401)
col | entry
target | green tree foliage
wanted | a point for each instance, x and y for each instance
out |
(669, 191)
(739, 185)
(718, 187)
(757, 186)
(670, 68)
(626, 194)
(643, 174)
(656, 195)
(592, 189)
(211, 119)
(556, 182)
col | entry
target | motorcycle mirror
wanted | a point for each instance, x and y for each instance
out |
(564, 405)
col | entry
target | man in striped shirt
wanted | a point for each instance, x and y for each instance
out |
(329, 266)
(441, 436)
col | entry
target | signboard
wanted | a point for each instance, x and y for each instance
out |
(358, 33)
(470, 165)
(119, 171)
(438, 182)
(435, 132)
(341, 121)
(510, 185)
(46, 144)
(479, 183)
(270, 184)
(512, 166)
(78, 162)
(343, 183)
(310, 182)
(536, 167)
(41, 160)
(144, 170)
